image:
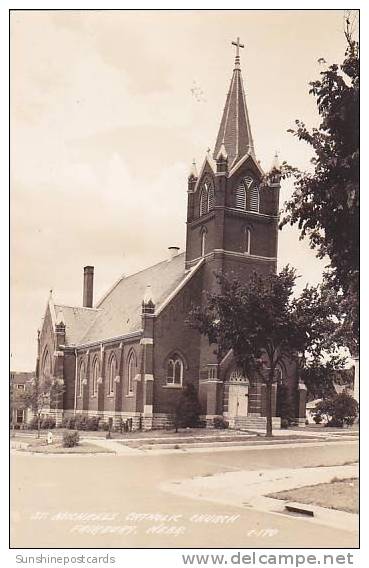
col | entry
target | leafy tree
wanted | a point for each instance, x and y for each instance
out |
(338, 410)
(41, 395)
(320, 377)
(325, 202)
(187, 409)
(263, 324)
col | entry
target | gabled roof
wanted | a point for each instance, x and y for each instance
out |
(247, 158)
(235, 130)
(77, 321)
(21, 377)
(208, 160)
(119, 311)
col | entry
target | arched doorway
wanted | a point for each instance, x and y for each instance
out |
(238, 395)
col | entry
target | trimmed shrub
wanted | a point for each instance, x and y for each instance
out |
(187, 409)
(285, 423)
(48, 423)
(92, 423)
(70, 439)
(317, 418)
(104, 426)
(220, 423)
(68, 423)
(81, 422)
(33, 423)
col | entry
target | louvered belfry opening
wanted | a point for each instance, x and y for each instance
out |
(211, 197)
(254, 198)
(240, 200)
(204, 201)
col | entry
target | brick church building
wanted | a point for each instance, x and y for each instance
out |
(131, 354)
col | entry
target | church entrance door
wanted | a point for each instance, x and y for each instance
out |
(238, 400)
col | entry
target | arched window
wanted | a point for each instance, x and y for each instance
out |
(240, 197)
(95, 376)
(131, 371)
(247, 240)
(279, 375)
(81, 378)
(175, 370)
(211, 197)
(112, 373)
(204, 200)
(203, 242)
(254, 199)
(46, 366)
(248, 181)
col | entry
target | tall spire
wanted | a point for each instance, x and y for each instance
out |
(235, 131)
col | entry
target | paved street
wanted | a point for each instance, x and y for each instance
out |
(116, 490)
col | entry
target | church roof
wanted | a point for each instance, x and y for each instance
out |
(77, 321)
(235, 130)
(119, 311)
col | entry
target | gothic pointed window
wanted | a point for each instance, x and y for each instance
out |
(211, 197)
(203, 242)
(46, 366)
(95, 376)
(175, 370)
(131, 372)
(81, 378)
(112, 373)
(240, 197)
(247, 240)
(204, 200)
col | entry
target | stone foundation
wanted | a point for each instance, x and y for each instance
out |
(162, 421)
(104, 415)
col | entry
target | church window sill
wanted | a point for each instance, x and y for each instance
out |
(172, 386)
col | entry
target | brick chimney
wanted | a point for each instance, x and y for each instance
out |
(88, 286)
(173, 251)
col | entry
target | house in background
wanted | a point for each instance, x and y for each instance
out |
(19, 381)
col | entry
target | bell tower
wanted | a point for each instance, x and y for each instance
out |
(232, 224)
(232, 213)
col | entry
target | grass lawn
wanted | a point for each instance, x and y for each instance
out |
(163, 433)
(246, 439)
(341, 494)
(41, 447)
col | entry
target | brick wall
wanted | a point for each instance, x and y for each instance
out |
(172, 334)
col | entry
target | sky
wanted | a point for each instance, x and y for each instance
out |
(108, 111)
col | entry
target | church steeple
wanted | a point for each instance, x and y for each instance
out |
(235, 130)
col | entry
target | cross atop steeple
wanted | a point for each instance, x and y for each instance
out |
(235, 130)
(238, 45)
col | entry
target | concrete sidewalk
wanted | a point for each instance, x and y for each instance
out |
(249, 489)
(119, 448)
(114, 446)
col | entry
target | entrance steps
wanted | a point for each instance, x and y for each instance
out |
(254, 422)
